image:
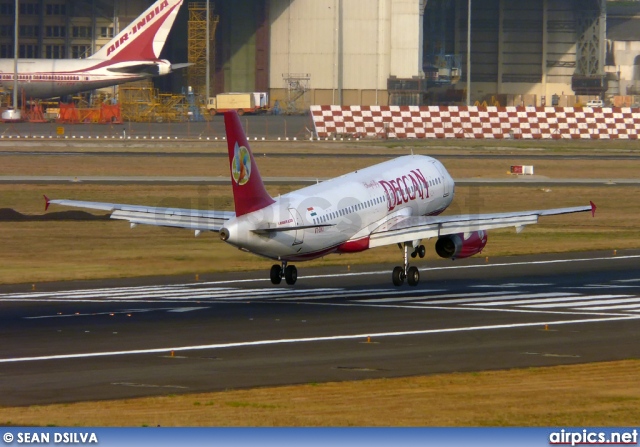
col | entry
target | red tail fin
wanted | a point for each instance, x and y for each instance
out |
(249, 193)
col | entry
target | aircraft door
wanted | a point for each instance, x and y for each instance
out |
(445, 183)
(298, 237)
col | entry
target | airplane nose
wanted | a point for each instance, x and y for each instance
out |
(224, 234)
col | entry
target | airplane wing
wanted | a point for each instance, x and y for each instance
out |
(410, 228)
(199, 220)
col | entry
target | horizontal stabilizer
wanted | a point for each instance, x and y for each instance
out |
(175, 67)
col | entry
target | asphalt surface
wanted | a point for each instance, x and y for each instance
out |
(155, 336)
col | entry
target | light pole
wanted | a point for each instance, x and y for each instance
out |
(207, 74)
(15, 60)
(469, 54)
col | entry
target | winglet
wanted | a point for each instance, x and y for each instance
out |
(47, 202)
(593, 209)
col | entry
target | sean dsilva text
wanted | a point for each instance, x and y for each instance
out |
(57, 438)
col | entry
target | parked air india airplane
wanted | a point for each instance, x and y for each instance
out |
(395, 202)
(132, 55)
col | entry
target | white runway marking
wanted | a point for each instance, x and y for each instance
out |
(449, 295)
(513, 285)
(314, 339)
(429, 306)
(502, 297)
(492, 296)
(588, 301)
(628, 307)
(550, 298)
(433, 269)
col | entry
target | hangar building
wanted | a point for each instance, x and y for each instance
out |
(366, 51)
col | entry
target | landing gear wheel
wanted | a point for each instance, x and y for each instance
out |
(291, 274)
(413, 276)
(414, 253)
(421, 251)
(275, 274)
(397, 276)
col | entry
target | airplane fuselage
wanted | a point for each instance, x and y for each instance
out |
(131, 55)
(49, 78)
(351, 206)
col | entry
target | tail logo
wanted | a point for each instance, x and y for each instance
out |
(144, 20)
(241, 165)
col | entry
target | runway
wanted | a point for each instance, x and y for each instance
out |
(155, 336)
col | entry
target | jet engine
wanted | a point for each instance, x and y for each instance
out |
(461, 245)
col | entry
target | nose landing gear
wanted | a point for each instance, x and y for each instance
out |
(290, 273)
(411, 274)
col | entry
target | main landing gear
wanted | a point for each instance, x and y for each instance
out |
(290, 273)
(411, 274)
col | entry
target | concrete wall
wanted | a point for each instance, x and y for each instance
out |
(626, 57)
(347, 47)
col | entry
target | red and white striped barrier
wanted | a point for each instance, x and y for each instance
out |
(476, 122)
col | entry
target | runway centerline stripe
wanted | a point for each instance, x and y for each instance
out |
(314, 339)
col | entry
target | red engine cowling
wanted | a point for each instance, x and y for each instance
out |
(461, 245)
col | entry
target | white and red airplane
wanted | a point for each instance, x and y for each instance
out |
(132, 55)
(395, 202)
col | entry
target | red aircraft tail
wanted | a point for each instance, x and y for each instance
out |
(249, 193)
